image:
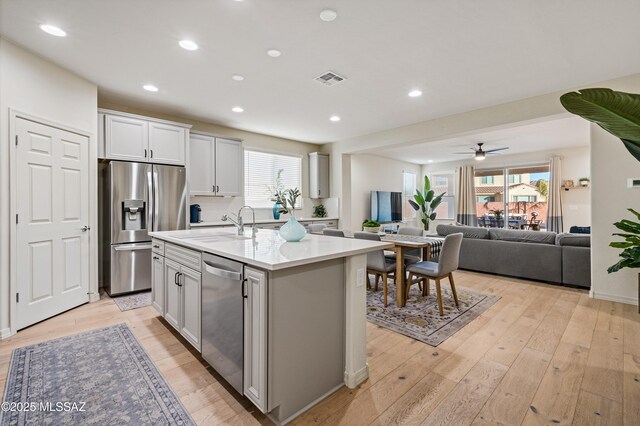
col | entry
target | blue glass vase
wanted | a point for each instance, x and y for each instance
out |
(292, 231)
(276, 211)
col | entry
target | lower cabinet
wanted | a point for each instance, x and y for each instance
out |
(182, 286)
(255, 337)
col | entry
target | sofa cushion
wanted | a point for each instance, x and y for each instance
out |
(522, 236)
(467, 231)
(575, 240)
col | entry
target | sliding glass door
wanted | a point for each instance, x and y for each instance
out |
(512, 197)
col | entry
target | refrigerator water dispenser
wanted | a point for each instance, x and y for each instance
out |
(133, 215)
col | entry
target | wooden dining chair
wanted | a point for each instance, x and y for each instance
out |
(377, 265)
(447, 263)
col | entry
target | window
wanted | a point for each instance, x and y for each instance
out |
(524, 198)
(444, 182)
(515, 178)
(485, 198)
(486, 180)
(408, 191)
(261, 172)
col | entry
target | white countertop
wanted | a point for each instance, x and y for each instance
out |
(268, 250)
(261, 221)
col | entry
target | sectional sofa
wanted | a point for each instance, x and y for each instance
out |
(535, 255)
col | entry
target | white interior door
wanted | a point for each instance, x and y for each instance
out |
(52, 204)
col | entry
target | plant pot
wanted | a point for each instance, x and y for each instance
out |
(584, 183)
(276, 211)
(292, 231)
(372, 229)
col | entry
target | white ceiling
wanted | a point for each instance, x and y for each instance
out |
(462, 54)
(527, 138)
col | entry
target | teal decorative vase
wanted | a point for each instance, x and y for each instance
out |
(276, 211)
(292, 231)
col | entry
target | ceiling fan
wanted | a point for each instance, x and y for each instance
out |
(480, 154)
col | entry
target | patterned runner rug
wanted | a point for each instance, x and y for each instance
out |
(420, 318)
(133, 301)
(100, 377)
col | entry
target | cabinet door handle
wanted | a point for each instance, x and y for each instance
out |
(180, 275)
(217, 188)
(145, 153)
(151, 151)
(156, 258)
(175, 278)
(242, 289)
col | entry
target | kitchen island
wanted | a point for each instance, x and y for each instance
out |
(302, 328)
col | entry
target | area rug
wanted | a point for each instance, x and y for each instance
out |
(133, 301)
(420, 318)
(100, 377)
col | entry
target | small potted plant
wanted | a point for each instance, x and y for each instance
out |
(319, 211)
(584, 181)
(291, 231)
(371, 226)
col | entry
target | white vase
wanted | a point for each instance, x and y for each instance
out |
(292, 231)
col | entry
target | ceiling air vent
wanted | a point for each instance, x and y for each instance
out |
(330, 78)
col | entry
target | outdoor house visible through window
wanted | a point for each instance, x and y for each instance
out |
(444, 182)
(264, 172)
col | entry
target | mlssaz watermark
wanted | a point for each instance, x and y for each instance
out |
(48, 406)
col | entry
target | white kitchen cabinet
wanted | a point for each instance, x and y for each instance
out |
(172, 309)
(167, 143)
(318, 175)
(182, 285)
(136, 138)
(215, 166)
(126, 138)
(255, 337)
(190, 285)
(157, 283)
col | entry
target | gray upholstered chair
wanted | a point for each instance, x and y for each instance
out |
(333, 232)
(410, 256)
(377, 264)
(316, 228)
(447, 263)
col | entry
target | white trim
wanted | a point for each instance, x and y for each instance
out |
(351, 380)
(214, 135)
(92, 159)
(143, 117)
(5, 332)
(613, 298)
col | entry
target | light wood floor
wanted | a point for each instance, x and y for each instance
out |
(541, 355)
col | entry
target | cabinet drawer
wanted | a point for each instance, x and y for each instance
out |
(329, 223)
(157, 246)
(183, 256)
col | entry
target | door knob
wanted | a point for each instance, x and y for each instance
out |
(85, 228)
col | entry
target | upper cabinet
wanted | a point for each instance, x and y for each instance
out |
(135, 138)
(215, 165)
(318, 175)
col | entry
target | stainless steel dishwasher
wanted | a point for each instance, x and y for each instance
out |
(222, 317)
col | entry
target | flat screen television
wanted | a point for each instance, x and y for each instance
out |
(386, 206)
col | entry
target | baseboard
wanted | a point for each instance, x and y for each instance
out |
(4, 333)
(613, 298)
(94, 297)
(354, 379)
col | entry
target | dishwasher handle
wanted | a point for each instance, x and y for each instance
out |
(222, 273)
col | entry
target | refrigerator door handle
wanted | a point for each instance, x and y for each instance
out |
(155, 197)
(131, 247)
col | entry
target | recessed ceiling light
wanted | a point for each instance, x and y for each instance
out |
(429, 161)
(237, 109)
(274, 53)
(328, 15)
(188, 45)
(237, 77)
(54, 31)
(415, 93)
(334, 118)
(150, 88)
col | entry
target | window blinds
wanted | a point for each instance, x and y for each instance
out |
(260, 174)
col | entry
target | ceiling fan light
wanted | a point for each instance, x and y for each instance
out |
(480, 155)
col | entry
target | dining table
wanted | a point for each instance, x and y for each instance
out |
(430, 246)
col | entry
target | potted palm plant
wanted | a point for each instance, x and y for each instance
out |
(426, 202)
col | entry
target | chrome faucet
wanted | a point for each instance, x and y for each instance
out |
(239, 222)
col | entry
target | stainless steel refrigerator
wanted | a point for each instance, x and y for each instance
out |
(137, 198)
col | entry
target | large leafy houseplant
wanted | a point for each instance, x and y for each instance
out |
(426, 202)
(619, 114)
